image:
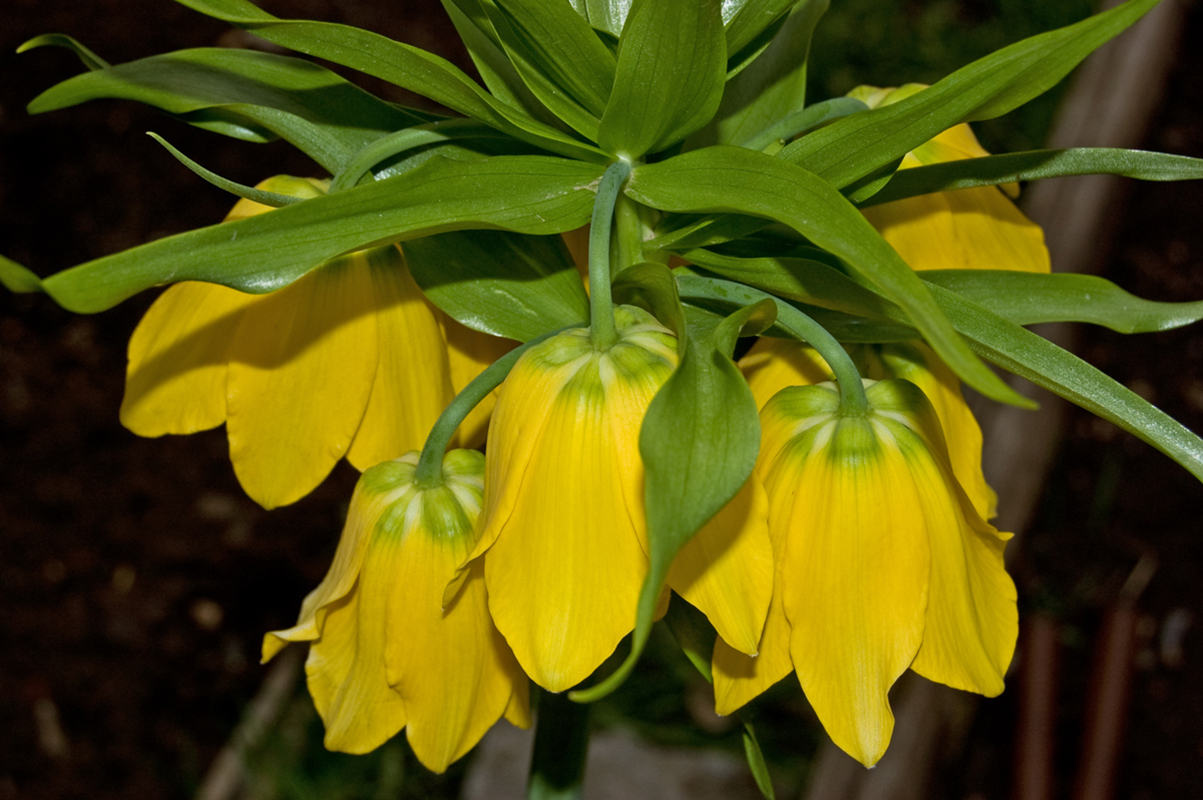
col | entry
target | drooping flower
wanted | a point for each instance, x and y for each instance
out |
(563, 532)
(773, 364)
(884, 564)
(976, 228)
(350, 360)
(384, 654)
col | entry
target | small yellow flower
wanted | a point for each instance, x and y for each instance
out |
(883, 564)
(978, 228)
(383, 653)
(773, 364)
(350, 360)
(563, 531)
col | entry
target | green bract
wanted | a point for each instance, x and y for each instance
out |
(702, 105)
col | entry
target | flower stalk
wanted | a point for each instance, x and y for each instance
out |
(601, 305)
(798, 325)
(429, 473)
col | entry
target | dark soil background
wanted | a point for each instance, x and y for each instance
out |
(136, 580)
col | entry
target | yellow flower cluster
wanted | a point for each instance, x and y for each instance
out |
(858, 548)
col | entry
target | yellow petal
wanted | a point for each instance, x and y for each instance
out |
(176, 378)
(915, 362)
(301, 370)
(971, 621)
(413, 377)
(773, 364)
(368, 503)
(451, 667)
(856, 565)
(346, 628)
(739, 677)
(564, 560)
(470, 352)
(346, 668)
(726, 569)
(975, 228)
(565, 573)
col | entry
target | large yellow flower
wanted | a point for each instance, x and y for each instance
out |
(773, 364)
(978, 228)
(383, 653)
(884, 564)
(350, 360)
(563, 531)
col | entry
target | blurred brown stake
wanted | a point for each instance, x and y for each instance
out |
(1036, 732)
(1111, 690)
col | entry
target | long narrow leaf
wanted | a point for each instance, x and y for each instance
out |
(311, 107)
(671, 70)
(732, 179)
(1034, 165)
(1026, 298)
(1022, 352)
(771, 88)
(262, 253)
(401, 64)
(859, 145)
(563, 45)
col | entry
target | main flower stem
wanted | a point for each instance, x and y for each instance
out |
(601, 305)
(429, 472)
(798, 325)
(557, 768)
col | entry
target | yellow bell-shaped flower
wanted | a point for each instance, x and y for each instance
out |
(773, 364)
(384, 654)
(349, 360)
(976, 228)
(884, 564)
(563, 530)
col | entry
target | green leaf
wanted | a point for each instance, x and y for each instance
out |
(771, 88)
(752, 17)
(272, 199)
(562, 46)
(89, 59)
(19, 279)
(652, 288)
(699, 441)
(501, 283)
(603, 15)
(732, 179)
(803, 279)
(385, 148)
(671, 70)
(1022, 352)
(756, 763)
(1026, 298)
(527, 194)
(476, 32)
(1036, 164)
(539, 73)
(401, 64)
(859, 145)
(694, 634)
(311, 107)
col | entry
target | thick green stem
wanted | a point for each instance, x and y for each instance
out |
(557, 768)
(601, 305)
(798, 325)
(429, 472)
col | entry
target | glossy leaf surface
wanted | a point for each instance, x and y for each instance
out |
(259, 254)
(499, 282)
